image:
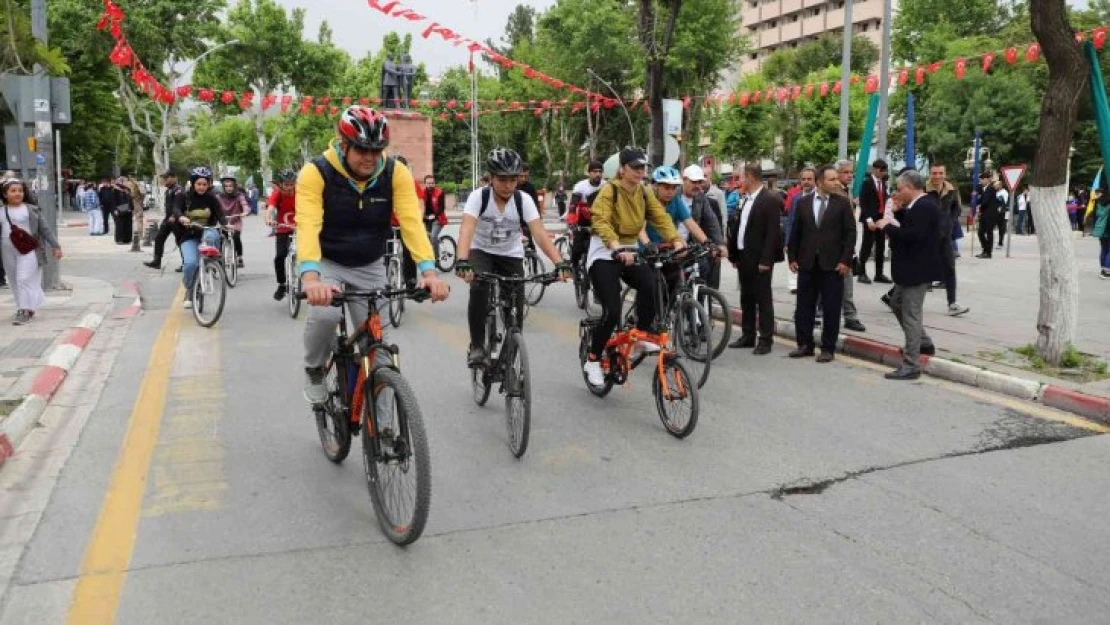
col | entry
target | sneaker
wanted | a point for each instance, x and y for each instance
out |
(593, 372)
(279, 294)
(188, 304)
(643, 348)
(881, 279)
(240, 263)
(476, 357)
(955, 310)
(179, 269)
(1104, 275)
(20, 318)
(314, 389)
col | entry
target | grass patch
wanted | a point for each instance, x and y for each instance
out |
(1075, 365)
(8, 405)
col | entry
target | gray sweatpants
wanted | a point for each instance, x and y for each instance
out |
(908, 303)
(849, 304)
(323, 321)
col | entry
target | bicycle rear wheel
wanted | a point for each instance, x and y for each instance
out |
(693, 339)
(720, 317)
(677, 399)
(534, 291)
(445, 260)
(333, 418)
(396, 280)
(294, 281)
(481, 378)
(209, 293)
(231, 261)
(518, 393)
(398, 466)
(586, 329)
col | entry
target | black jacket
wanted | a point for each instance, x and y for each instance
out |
(827, 245)
(763, 237)
(530, 189)
(988, 202)
(869, 205)
(915, 245)
(705, 213)
(175, 201)
(199, 202)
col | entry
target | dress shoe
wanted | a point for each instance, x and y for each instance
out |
(881, 279)
(984, 255)
(764, 347)
(863, 279)
(154, 264)
(904, 373)
(929, 350)
(854, 325)
(825, 357)
(743, 342)
(802, 352)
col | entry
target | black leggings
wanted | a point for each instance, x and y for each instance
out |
(281, 250)
(606, 276)
(478, 307)
(237, 240)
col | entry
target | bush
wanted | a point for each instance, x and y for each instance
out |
(1072, 358)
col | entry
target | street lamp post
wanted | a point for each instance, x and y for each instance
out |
(631, 128)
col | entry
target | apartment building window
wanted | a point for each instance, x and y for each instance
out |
(793, 18)
(753, 56)
(772, 24)
(816, 12)
(865, 27)
(840, 5)
(753, 5)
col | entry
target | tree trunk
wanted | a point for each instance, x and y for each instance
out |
(1067, 80)
(656, 48)
(655, 102)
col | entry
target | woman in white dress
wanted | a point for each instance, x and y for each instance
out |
(24, 270)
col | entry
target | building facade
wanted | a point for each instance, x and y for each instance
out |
(773, 25)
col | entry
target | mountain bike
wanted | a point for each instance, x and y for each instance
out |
(368, 397)
(693, 286)
(533, 266)
(508, 355)
(676, 396)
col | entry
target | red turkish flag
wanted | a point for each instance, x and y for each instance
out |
(326, 100)
(246, 100)
(460, 115)
(286, 101)
(836, 87)
(796, 92)
(961, 68)
(227, 97)
(207, 95)
(809, 90)
(1011, 55)
(784, 93)
(919, 76)
(319, 110)
(334, 110)
(988, 60)
(872, 84)
(1098, 37)
(756, 97)
(268, 100)
(121, 55)
(824, 90)
(347, 101)
(1032, 53)
(184, 91)
(903, 77)
(745, 98)
(305, 106)
(452, 104)
(935, 66)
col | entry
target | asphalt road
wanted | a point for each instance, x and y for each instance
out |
(808, 493)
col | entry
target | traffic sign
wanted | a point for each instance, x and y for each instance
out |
(1011, 175)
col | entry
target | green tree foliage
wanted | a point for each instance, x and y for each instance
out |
(916, 18)
(791, 66)
(745, 132)
(19, 51)
(819, 123)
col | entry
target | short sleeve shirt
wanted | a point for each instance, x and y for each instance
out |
(498, 232)
(679, 212)
(286, 210)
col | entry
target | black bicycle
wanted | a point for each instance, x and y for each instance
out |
(508, 355)
(394, 443)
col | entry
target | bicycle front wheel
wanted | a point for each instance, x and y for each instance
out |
(533, 267)
(209, 293)
(445, 261)
(692, 339)
(396, 281)
(231, 262)
(395, 452)
(720, 317)
(676, 399)
(563, 247)
(294, 281)
(332, 418)
(518, 393)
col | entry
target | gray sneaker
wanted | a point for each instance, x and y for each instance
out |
(21, 318)
(315, 389)
(955, 310)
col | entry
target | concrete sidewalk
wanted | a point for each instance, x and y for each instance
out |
(1003, 294)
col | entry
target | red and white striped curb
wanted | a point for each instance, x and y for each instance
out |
(1090, 406)
(130, 289)
(61, 359)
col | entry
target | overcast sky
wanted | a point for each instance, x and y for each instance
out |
(359, 29)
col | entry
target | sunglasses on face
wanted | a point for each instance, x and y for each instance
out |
(364, 151)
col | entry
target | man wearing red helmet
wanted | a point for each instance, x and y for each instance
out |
(346, 199)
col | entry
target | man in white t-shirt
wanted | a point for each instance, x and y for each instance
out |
(489, 242)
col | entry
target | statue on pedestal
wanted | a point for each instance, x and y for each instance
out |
(391, 84)
(408, 77)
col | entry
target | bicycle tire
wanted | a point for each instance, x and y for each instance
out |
(294, 286)
(214, 301)
(563, 247)
(534, 266)
(448, 253)
(518, 393)
(230, 261)
(693, 342)
(333, 419)
(674, 370)
(399, 527)
(720, 317)
(396, 280)
(628, 306)
(587, 334)
(480, 379)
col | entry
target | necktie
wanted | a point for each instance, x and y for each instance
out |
(882, 200)
(822, 204)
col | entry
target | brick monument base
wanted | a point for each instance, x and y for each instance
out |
(410, 135)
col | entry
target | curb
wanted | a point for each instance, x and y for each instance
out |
(61, 359)
(1089, 406)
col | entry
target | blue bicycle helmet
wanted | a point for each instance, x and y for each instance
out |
(200, 172)
(666, 175)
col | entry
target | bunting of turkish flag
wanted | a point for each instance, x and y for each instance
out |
(756, 97)
(796, 92)
(319, 110)
(121, 55)
(268, 100)
(824, 90)
(347, 101)
(872, 84)
(207, 95)
(809, 90)
(246, 100)
(452, 104)
(961, 68)
(227, 97)
(326, 100)
(444, 116)
(334, 110)
(919, 75)
(364, 101)
(935, 66)
(184, 91)
(745, 98)
(286, 101)
(1032, 53)
(1011, 55)
(988, 60)
(903, 77)
(305, 107)
(836, 87)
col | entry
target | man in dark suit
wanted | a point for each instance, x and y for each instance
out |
(754, 246)
(915, 240)
(872, 203)
(987, 207)
(821, 245)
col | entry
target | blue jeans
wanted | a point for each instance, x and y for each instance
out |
(1019, 227)
(191, 255)
(1104, 253)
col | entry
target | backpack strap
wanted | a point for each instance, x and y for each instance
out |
(485, 202)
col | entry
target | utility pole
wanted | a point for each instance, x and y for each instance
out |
(845, 81)
(884, 86)
(42, 178)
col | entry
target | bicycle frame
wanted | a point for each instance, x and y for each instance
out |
(348, 351)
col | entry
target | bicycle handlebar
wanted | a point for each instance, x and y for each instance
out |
(338, 299)
(544, 278)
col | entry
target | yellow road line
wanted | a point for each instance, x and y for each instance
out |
(1031, 408)
(108, 554)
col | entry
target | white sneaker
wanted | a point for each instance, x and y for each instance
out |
(643, 348)
(188, 304)
(955, 310)
(593, 372)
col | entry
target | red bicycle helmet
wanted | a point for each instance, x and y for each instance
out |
(364, 127)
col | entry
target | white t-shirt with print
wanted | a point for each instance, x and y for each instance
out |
(498, 232)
